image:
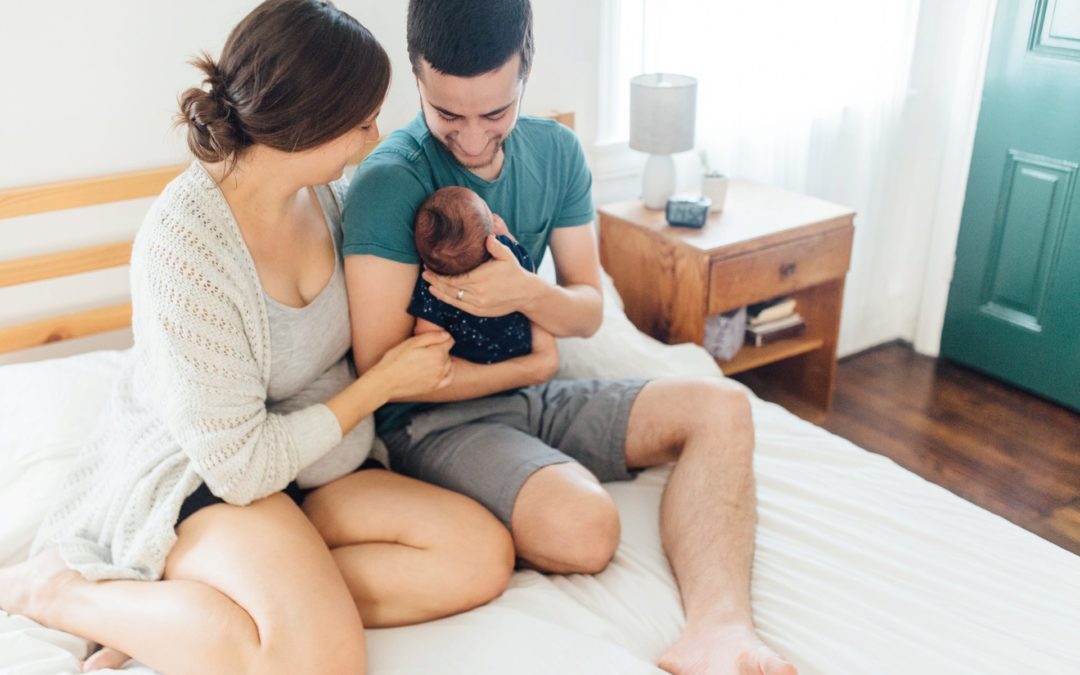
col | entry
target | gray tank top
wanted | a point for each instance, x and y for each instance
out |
(308, 363)
(307, 342)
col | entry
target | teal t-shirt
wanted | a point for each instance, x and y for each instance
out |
(544, 183)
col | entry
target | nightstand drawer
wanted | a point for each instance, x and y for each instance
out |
(744, 279)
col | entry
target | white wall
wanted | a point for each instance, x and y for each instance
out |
(90, 88)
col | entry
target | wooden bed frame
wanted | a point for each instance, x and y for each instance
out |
(36, 199)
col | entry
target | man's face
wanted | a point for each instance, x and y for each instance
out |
(472, 116)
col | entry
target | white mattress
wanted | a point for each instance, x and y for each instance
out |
(861, 566)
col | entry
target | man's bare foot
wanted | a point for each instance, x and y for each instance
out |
(105, 658)
(735, 650)
(31, 587)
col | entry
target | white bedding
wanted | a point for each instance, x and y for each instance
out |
(861, 566)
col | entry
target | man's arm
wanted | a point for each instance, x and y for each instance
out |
(379, 291)
(574, 307)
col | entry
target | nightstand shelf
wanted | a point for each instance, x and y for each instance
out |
(750, 357)
(767, 242)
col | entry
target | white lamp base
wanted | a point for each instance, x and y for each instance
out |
(658, 182)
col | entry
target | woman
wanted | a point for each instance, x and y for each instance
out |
(176, 543)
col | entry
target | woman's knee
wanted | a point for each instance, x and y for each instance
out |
(269, 588)
(484, 552)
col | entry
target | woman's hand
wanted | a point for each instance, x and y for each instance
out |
(419, 365)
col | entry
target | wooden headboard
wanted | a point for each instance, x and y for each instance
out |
(36, 199)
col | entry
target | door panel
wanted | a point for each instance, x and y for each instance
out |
(1014, 304)
(1056, 30)
(1030, 221)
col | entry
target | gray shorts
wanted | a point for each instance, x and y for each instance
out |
(487, 448)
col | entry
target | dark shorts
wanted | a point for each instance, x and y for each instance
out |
(487, 448)
(202, 497)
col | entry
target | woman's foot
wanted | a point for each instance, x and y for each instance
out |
(31, 587)
(105, 658)
(733, 650)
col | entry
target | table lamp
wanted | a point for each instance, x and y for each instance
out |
(662, 112)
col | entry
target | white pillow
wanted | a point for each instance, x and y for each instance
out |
(47, 409)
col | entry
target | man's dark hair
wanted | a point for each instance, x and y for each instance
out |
(465, 38)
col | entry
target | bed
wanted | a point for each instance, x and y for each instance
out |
(861, 566)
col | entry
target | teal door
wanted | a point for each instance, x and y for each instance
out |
(1014, 303)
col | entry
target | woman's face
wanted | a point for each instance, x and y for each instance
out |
(326, 162)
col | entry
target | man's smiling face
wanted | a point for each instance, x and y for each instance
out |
(472, 116)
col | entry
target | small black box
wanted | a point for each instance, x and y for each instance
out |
(687, 211)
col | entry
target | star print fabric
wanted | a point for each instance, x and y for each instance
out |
(476, 338)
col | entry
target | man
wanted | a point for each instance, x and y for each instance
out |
(528, 449)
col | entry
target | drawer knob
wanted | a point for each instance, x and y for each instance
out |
(787, 269)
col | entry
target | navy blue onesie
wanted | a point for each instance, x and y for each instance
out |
(476, 338)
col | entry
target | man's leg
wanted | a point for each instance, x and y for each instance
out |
(564, 522)
(707, 519)
(516, 453)
(492, 453)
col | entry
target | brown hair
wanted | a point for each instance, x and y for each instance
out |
(465, 38)
(451, 231)
(293, 75)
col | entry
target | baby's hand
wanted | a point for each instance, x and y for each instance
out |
(498, 226)
(424, 326)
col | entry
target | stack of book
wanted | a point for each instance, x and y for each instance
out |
(773, 320)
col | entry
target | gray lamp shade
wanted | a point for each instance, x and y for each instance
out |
(662, 112)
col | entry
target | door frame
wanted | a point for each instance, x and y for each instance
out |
(952, 186)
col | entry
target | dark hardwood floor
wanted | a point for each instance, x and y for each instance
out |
(1006, 450)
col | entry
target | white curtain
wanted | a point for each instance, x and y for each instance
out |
(820, 97)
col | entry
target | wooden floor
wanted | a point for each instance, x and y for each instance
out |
(1008, 451)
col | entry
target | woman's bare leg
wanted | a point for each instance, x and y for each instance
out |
(246, 589)
(410, 551)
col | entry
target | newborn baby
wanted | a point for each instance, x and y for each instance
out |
(451, 230)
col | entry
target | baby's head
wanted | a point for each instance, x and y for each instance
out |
(451, 231)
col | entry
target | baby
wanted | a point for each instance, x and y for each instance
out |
(451, 231)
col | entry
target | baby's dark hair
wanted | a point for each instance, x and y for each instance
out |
(451, 230)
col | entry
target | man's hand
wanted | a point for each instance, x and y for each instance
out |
(496, 288)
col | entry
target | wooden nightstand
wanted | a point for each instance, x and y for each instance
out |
(766, 242)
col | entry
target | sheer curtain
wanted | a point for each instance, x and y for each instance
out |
(779, 78)
(814, 97)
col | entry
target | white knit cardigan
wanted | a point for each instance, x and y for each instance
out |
(190, 403)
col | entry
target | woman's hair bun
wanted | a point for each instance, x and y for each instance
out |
(293, 75)
(214, 131)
